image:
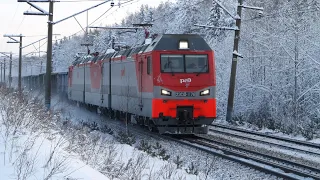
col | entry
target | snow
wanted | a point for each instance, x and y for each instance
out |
(29, 152)
(38, 155)
(83, 153)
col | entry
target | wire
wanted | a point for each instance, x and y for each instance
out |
(20, 24)
(88, 25)
(22, 21)
(287, 12)
(13, 17)
(122, 6)
(101, 16)
(36, 35)
(35, 51)
(12, 21)
(80, 0)
(96, 20)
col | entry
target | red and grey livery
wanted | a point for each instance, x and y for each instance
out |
(168, 84)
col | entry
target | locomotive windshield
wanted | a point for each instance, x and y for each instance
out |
(172, 63)
(184, 63)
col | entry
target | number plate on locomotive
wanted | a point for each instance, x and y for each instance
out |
(185, 94)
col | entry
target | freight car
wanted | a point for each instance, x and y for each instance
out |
(59, 82)
(168, 84)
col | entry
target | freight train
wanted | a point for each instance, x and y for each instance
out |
(167, 84)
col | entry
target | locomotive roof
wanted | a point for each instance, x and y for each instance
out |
(165, 42)
(170, 42)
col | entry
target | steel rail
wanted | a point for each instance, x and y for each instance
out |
(299, 142)
(265, 141)
(233, 157)
(237, 156)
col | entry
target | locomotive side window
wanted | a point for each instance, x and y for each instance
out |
(149, 66)
(172, 63)
(196, 63)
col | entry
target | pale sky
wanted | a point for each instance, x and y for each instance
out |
(12, 20)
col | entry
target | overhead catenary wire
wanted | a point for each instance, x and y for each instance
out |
(78, 31)
(35, 51)
(12, 21)
(21, 22)
(305, 9)
(79, 0)
(123, 5)
(81, 29)
(96, 20)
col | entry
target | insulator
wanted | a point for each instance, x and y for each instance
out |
(112, 4)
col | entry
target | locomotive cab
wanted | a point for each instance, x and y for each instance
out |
(184, 85)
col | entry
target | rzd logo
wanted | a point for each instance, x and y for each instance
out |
(188, 80)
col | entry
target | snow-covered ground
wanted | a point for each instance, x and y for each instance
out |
(38, 145)
(29, 158)
(29, 152)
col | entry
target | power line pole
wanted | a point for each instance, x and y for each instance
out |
(235, 53)
(20, 64)
(234, 63)
(10, 66)
(4, 71)
(87, 43)
(49, 58)
(20, 56)
(1, 71)
(10, 71)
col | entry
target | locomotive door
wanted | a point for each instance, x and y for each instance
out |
(141, 83)
(101, 64)
(70, 82)
(70, 77)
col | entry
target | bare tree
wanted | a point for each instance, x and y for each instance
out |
(53, 150)
(208, 166)
(168, 170)
(134, 167)
(25, 165)
(58, 165)
(24, 119)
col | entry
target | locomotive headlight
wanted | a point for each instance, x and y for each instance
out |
(183, 45)
(205, 92)
(165, 92)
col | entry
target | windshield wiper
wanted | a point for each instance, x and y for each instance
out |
(170, 64)
(201, 69)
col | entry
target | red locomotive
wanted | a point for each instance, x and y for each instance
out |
(167, 84)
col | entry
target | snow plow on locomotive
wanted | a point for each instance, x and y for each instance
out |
(167, 84)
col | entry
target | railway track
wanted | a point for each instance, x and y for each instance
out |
(278, 166)
(300, 151)
(268, 164)
(264, 164)
(233, 130)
